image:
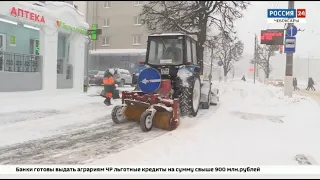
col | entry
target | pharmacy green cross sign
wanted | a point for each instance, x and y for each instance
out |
(38, 49)
(94, 32)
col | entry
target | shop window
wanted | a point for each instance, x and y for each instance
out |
(37, 49)
(34, 47)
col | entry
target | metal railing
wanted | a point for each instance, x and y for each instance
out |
(16, 62)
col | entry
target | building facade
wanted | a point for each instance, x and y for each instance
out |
(42, 46)
(120, 24)
(123, 40)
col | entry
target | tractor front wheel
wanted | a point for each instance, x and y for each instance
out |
(117, 114)
(146, 121)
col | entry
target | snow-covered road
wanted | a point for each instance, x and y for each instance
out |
(64, 129)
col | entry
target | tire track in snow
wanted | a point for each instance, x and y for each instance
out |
(84, 143)
(89, 142)
(14, 117)
(29, 115)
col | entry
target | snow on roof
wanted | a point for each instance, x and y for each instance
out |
(167, 34)
(213, 64)
(118, 51)
(174, 34)
(119, 70)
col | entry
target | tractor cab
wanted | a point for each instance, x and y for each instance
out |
(168, 51)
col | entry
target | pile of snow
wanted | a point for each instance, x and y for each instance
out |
(253, 125)
(184, 74)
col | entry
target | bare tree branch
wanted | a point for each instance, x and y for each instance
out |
(263, 57)
(193, 17)
(226, 50)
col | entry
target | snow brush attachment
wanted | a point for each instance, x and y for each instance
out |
(147, 109)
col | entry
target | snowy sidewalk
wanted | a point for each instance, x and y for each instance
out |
(255, 125)
(38, 115)
(68, 128)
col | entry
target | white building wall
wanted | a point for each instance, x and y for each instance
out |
(48, 46)
(52, 13)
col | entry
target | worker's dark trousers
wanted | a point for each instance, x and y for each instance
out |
(107, 101)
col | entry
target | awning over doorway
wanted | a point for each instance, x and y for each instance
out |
(120, 52)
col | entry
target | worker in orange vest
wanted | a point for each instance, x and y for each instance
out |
(108, 83)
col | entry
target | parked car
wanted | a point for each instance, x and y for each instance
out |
(96, 77)
(121, 76)
(278, 82)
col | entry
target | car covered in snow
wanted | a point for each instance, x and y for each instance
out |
(96, 77)
(278, 82)
(121, 76)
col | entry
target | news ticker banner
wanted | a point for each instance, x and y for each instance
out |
(286, 15)
(70, 169)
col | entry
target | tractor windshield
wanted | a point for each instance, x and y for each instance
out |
(165, 51)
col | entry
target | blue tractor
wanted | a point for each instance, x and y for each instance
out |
(179, 93)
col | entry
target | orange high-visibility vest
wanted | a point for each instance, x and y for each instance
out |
(108, 81)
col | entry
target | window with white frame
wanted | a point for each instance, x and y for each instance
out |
(106, 4)
(106, 22)
(105, 41)
(137, 20)
(136, 40)
(137, 3)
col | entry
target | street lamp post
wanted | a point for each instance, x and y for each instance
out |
(255, 56)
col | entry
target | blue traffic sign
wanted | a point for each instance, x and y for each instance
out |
(290, 45)
(291, 30)
(149, 80)
(220, 63)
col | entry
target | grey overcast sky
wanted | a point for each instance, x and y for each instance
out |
(255, 19)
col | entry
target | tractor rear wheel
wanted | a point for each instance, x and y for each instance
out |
(189, 99)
